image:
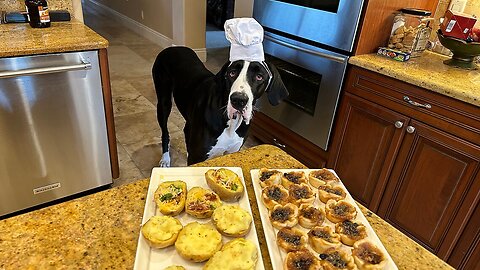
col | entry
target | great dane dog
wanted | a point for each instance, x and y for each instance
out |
(217, 108)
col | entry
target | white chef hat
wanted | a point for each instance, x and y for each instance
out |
(245, 36)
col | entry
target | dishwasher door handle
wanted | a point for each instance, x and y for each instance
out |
(44, 70)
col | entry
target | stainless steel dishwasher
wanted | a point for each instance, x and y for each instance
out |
(53, 137)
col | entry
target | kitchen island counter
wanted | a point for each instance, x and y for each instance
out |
(100, 231)
(20, 39)
(429, 72)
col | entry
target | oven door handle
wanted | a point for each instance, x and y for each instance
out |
(296, 47)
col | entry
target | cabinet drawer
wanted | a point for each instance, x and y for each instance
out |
(445, 113)
(269, 131)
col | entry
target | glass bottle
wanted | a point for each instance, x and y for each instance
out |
(37, 11)
(411, 31)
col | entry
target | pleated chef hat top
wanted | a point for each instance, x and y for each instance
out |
(245, 36)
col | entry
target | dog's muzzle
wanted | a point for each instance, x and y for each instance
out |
(238, 102)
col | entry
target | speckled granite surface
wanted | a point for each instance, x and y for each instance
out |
(20, 39)
(429, 72)
(100, 231)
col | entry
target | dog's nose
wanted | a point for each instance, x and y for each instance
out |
(238, 100)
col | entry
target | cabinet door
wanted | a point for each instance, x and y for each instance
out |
(432, 189)
(365, 143)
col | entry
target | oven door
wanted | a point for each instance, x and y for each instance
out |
(328, 22)
(313, 77)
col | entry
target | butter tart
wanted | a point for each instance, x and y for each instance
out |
(367, 256)
(338, 211)
(301, 193)
(327, 192)
(333, 259)
(291, 239)
(283, 216)
(295, 177)
(321, 177)
(350, 231)
(310, 216)
(301, 260)
(275, 194)
(322, 238)
(269, 177)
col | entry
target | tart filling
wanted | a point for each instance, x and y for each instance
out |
(327, 192)
(368, 256)
(323, 238)
(269, 177)
(350, 232)
(301, 260)
(284, 215)
(310, 216)
(301, 193)
(291, 239)
(338, 211)
(321, 177)
(273, 195)
(336, 259)
(290, 178)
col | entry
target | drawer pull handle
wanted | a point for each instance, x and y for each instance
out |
(414, 103)
(278, 144)
(410, 129)
(398, 124)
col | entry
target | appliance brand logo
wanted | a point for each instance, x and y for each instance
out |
(46, 188)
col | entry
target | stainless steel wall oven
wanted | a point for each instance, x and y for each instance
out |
(309, 41)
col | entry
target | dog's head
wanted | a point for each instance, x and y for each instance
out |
(247, 82)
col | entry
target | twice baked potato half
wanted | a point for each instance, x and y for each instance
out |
(238, 254)
(198, 242)
(201, 202)
(226, 183)
(232, 220)
(161, 231)
(170, 197)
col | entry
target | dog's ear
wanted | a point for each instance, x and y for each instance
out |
(222, 73)
(276, 91)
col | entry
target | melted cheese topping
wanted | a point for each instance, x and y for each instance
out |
(231, 219)
(237, 254)
(198, 238)
(161, 228)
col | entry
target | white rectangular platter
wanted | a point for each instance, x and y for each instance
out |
(150, 258)
(277, 255)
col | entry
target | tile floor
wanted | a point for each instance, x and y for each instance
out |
(134, 101)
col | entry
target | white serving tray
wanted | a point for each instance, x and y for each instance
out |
(150, 258)
(277, 255)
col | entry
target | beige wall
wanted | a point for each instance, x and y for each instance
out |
(186, 17)
(157, 14)
(243, 8)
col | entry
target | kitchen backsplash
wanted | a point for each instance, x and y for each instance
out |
(16, 5)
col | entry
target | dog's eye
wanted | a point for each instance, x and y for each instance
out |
(259, 77)
(232, 73)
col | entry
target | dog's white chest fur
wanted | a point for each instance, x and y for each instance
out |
(229, 141)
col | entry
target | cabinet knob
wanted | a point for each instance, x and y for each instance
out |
(398, 124)
(410, 129)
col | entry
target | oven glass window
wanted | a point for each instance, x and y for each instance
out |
(302, 84)
(326, 5)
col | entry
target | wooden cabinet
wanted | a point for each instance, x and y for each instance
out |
(269, 131)
(365, 146)
(416, 166)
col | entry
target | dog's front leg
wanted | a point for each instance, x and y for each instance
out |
(165, 161)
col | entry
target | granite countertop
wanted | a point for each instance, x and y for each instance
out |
(19, 39)
(429, 72)
(100, 231)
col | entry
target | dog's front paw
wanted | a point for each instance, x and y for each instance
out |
(165, 161)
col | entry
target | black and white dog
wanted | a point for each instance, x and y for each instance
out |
(217, 108)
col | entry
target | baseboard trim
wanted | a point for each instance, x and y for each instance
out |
(145, 31)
